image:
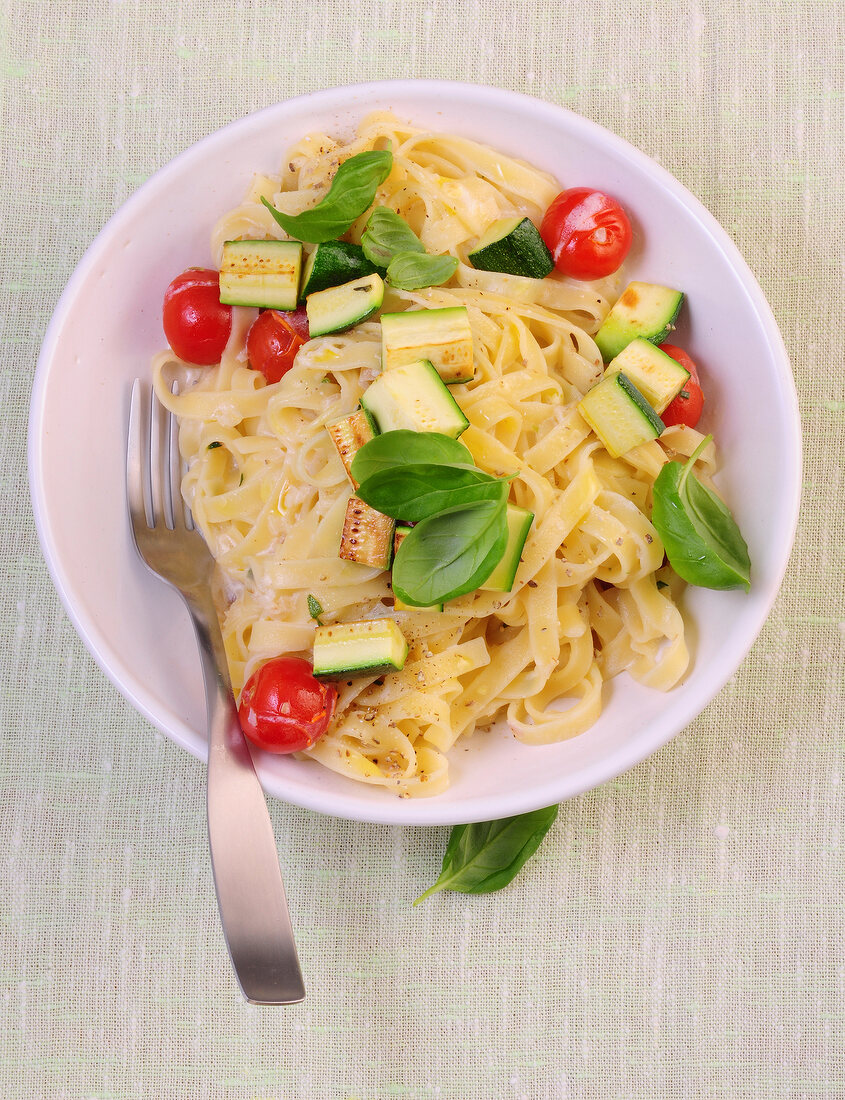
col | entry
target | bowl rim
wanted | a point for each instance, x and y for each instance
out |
(395, 810)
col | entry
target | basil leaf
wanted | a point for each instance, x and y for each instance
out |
(413, 270)
(403, 446)
(418, 490)
(315, 609)
(451, 553)
(703, 543)
(487, 855)
(352, 191)
(386, 235)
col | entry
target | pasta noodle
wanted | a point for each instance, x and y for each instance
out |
(271, 498)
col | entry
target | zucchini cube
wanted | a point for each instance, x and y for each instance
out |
(413, 396)
(341, 307)
(260, 273)
(443, 337)
(513, 246)
(643, 309)
(367, 535)
(519, 522)
(619, 414)
(363, 647)
(657, 376)
(349, 434)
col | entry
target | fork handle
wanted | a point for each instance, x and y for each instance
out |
(247, 878)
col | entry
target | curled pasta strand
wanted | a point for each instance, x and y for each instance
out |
(543, 724)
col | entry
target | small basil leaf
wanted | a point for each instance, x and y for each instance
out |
(315, 609)
(419, 490)
(487, 855)
(702, 540)
(451, 553)
(413, 270)
(352, 191)
(386, 235)
(403, 446)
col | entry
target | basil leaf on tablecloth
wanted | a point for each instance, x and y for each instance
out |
(487, 855)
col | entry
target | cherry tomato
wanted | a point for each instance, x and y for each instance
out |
(196, 323)
(284, 708)
(684, 409)
(273, 340)
(587, 233)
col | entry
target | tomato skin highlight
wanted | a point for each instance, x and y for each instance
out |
(273, 341)
(196, 323)
(587, 232)
(284, 708)
(684, 410)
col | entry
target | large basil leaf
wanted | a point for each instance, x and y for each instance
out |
(386, 235)
(487, 855)
(703, 543)
(414, 270)
(451, 553)
(415, 491)
(352, 191)
(403, 446)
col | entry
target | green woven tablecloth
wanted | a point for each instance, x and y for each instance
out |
(680, 933)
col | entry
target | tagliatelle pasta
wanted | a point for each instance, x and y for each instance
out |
(269, 493)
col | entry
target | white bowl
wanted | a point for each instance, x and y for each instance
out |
(107, 326)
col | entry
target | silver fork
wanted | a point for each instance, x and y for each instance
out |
(250, 894)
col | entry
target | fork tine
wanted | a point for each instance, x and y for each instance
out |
(137, 457)
(158, 463)
(179, 509)
(182, 517)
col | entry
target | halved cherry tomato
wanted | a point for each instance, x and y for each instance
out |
(284, 708)
(273, 340)
(196, 323)
(587, 233)
(687, 406)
